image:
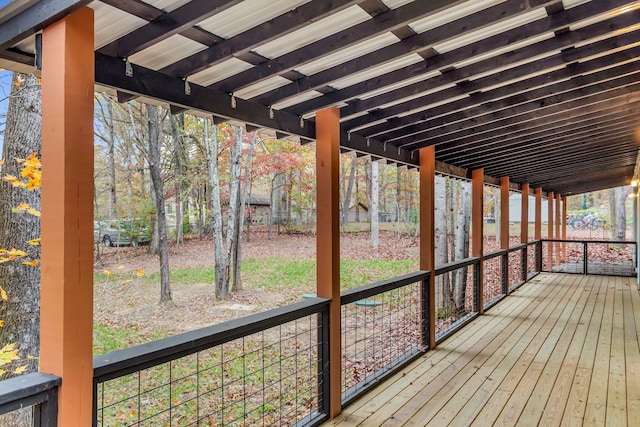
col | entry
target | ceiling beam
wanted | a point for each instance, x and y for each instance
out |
(565, 55)
(444, 62)
(110, 72)
(258, 35)
(389, 21)
(35, 18)
(165, 26)
(583, 85)
(420, 43)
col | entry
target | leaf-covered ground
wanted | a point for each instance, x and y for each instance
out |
(277, 270)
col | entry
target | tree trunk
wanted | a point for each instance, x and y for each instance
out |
(496, 212)
(443, 297)
(375, 226)
(110, 159)
(221, 270)
(177, 128)
(243, 196)
(158, 191)
(21, 312)
(621, 214)
(347, 196)
(463, 230)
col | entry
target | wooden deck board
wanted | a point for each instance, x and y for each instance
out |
(563, 350)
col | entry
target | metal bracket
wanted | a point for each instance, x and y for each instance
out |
(187, 87)
(271, 113)
(38, 58)
(233, 101)
(301, 122)
(128, 69)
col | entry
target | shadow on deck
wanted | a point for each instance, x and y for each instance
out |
(562, 350)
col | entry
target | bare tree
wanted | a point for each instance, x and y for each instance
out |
(158, 191)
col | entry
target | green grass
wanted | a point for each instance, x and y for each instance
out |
(107, 339)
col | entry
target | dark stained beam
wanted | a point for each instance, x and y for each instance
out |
(37, 17)
(447, 60)
(516, 135)
(110, 72)
(124, 96)
(590, 180)
(380, 24)
(525, 124)
(419, 43)
(556, 143)
(465, 87)
(166, 26)
(260, 34)
(580, 86)
(19, 56)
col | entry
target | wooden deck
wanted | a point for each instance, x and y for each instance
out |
(562, 350)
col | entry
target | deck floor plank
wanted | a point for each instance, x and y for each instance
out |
(563, 350)
(411, 379)
(493, 369)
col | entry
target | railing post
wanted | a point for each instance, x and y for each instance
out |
(539, 256)
(426, 328)
(324, 363)
(328, 244)
(585, 251)
(524, 267)
(550, 216)
(46, 414)
(427, 238)
(477, 224)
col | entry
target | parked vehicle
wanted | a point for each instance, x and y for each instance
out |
(121, 232)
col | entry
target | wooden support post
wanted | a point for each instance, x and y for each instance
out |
(477, 232)
(537, 226)
(550, 217)
(557, 232)
(504, 228)
(427, 232)
(328, 240)
(524, 214)
(66, 304)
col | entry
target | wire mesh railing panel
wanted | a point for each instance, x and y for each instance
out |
(493, 282)
(456, 300)
(532, 259)
(611, 258)
(379, 333)
(515, 269)
(563, 256)
(266, 378)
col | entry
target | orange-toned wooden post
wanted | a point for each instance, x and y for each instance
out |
(550, 218)
(328, 239)
(524, 214)
(537, 226)
(524, 227)
(427, 231)
(477, 225)
(557, 232)
(66, 325)
(564, 227)
(504, 227)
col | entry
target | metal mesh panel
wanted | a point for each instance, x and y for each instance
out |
(268, 378)
(532, 261)
(493, 284)
(515, 269)
(611, 259)
(563, 257)
(455, 299)
(378, 334)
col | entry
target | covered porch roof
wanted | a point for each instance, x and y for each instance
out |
(544, 92)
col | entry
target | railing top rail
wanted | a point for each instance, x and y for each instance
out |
(132, 359)
(382, 286)
(26, 386)
(611, 242)
(519, 247)
(451, 266)
(495, 254)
